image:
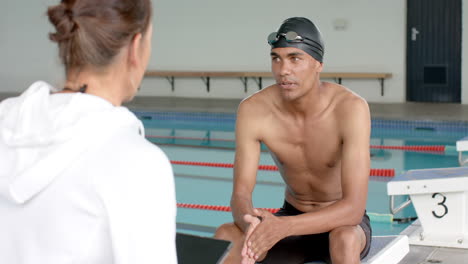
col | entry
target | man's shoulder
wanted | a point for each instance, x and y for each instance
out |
(262, 99)
(351, 109)
(352, 99)
(345, 99)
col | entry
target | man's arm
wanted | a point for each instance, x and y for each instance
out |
(246, 162)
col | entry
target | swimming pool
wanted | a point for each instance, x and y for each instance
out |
(209, 137)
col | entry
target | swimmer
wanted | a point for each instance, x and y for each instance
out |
(318, 134)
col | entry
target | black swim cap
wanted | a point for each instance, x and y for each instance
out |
(311, 42)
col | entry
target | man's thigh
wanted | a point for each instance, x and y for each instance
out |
(306, 248)
(299, 249)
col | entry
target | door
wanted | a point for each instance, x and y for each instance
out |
(433, 66)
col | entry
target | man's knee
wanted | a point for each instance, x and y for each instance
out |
(346, 244)
(228, 231)
(345, 237)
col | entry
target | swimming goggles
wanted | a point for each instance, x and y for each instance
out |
(290, 36)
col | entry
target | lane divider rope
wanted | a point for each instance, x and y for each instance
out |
(375, 217)
(191, 138)
(220, 208)
(373, 172)
(422, 148)
(435, 148)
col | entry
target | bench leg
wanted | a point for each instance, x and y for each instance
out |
(381, 86)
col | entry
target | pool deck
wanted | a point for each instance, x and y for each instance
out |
(398, 111)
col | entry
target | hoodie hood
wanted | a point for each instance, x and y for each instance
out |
(42, 134)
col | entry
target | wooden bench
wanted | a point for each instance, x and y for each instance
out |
(258, 76)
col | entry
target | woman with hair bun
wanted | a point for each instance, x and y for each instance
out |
(79, 183)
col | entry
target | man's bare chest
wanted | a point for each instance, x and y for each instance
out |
(312, 149)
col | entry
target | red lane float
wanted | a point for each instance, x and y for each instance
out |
(216, 207)
(435, 148)
(373, 172)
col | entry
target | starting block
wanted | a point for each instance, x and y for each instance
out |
(462, 145)
(384, 249)
(439, 197)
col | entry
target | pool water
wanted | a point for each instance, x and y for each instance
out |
(209, 137)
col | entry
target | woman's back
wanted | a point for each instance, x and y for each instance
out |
(79, 183)
(89, 189)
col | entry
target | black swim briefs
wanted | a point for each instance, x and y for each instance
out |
(300, 249)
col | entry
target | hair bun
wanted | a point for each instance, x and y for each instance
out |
(93, 32)
(62, 18)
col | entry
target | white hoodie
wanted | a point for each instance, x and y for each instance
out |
(79, 183)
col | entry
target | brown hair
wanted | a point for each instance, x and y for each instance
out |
(92, 32)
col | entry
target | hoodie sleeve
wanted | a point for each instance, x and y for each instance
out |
(141, 209)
